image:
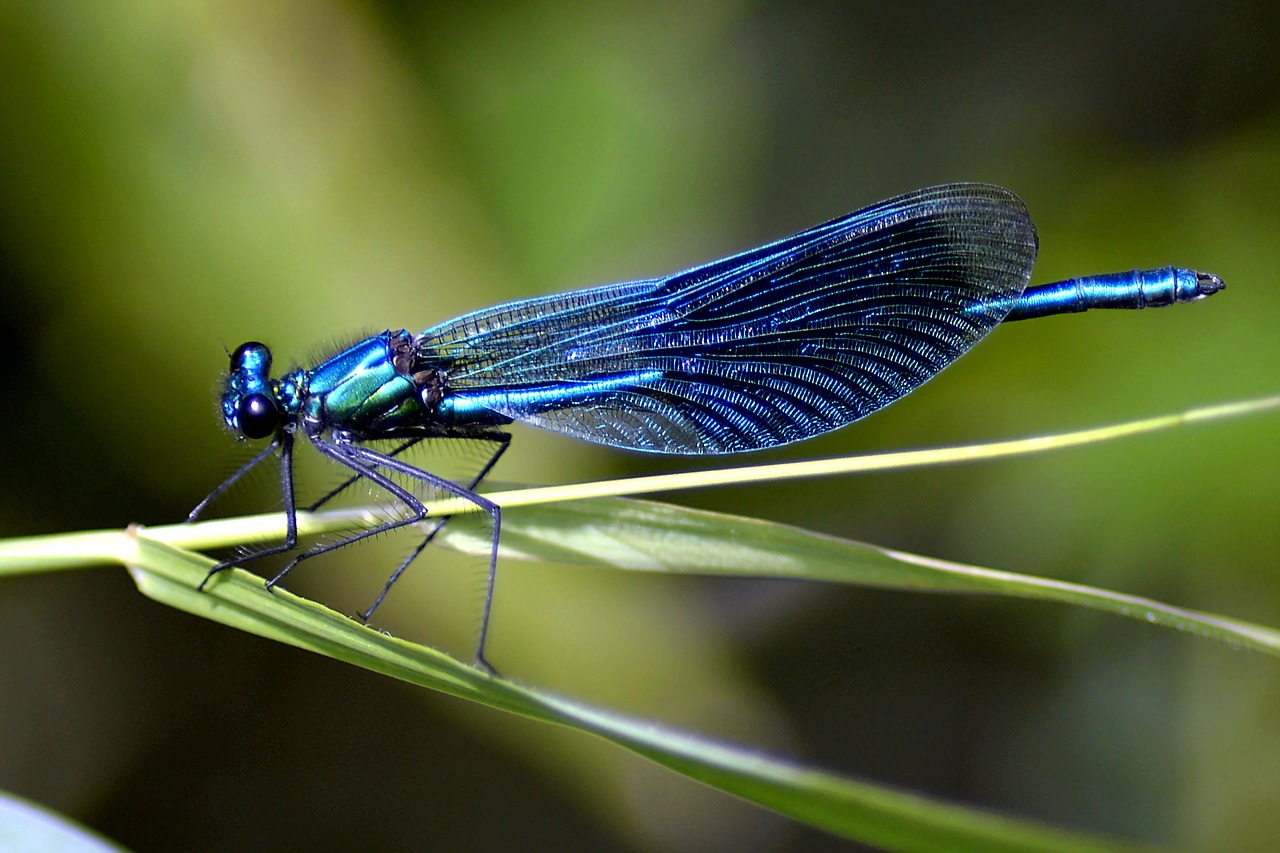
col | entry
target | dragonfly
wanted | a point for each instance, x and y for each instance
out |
(763, 348)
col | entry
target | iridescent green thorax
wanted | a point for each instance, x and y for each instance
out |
(364, 388)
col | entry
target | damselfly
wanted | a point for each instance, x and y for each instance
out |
(766, 347)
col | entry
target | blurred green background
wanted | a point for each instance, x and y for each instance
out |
(176, 178)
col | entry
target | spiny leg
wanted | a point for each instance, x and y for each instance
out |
(354, 477)
(231, 481)
(372, 459)
(290, 512)
(503, 440)
(365, 463)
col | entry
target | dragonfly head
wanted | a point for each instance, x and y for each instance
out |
(250, 405)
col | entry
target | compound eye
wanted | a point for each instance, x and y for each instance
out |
(257, 416)
(253, 356)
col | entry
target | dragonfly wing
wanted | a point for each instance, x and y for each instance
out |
(769, 346)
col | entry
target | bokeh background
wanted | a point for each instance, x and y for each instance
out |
(176, 178)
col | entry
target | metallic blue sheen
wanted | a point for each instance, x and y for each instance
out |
(769, 346)
(773, 345)
(1133, 289)
(464, 407)
(250, 375)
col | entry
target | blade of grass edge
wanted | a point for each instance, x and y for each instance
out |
(853, 809)
(640, 535)
(233, 532)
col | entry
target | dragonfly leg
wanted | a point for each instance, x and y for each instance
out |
(231, 481)
(290, 511)
(365, 463)
(346, 484)
(504, 441)
(371, 460)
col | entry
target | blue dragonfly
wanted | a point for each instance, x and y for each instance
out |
(763, 348)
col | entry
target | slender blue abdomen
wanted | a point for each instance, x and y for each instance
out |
(1133, 289)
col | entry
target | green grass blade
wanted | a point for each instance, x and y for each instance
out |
(878, 462)
(853, 809)
(649, 536)
(237, 531)
(653, 537)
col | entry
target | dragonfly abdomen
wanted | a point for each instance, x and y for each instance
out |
(516, 401)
